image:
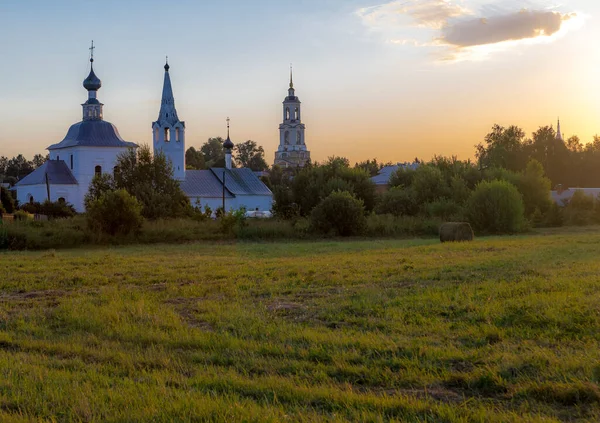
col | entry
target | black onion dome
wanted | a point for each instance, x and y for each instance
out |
(228, 144)
(92, 82)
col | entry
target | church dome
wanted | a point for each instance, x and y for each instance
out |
(228, 144)
(92, 82)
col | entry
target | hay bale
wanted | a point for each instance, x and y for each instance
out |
(456, 231)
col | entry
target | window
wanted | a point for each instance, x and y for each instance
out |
(57, 157)
(296, 114)
(177, 135)
(286, 138)
(71, 162)
(298, 138)
(31, 200)
(98, 170)
(287, 113)
(167, 135)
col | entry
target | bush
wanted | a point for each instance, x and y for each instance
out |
(100, 184)
(7, 201)
(23, 216)
(398, 201)
(340, 213)
(444, 209)
(580, 209)
(496, 207)
(115, 212)
(54, 210)
(387, 225)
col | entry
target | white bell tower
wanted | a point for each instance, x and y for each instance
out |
(292, 151)
(168, 132)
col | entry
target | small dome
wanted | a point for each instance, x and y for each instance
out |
(167, 67)
(228, 145)
(92, 82)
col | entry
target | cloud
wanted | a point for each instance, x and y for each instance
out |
(461, 32)
(521, 25)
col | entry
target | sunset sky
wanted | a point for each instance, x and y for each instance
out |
(391, 80)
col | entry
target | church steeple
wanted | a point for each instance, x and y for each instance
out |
(92, 108)
(292, 151)
(168, 130)
(559, 135)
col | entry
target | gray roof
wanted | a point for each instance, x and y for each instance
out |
(203, 183)
(384, 175)
(92, 133)
(58, 174)
(209, 183)
(241, 181)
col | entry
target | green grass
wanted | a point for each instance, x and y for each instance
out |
(498, 330)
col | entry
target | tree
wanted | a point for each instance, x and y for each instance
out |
(194, 159)
(214, 154)
(39, 160)
(372, 167)
(115, 213)
(535, 188)
(341, 213)
(100, 184)
(503, 147)
(149, 178)
(574, 144)
(6, 200)
(19, 167)
(551, 152)
(250, 155)
(496, 207)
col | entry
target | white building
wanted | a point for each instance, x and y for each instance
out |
(237, 188)
(90, 147)
(292, 151)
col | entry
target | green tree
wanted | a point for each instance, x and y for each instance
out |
(100, 184)
(19, 167)
(214, 154)
(251, 155)
(341, 213)
(6, 200)
(194, 159)
(503, 147)
(115, 213)
(39, 160)
(149, 178)
(535, 188)
(496, 207)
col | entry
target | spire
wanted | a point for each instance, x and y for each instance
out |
(228, 145)
(92, 108)
(291, 77)
(167, 113)
(559, 135)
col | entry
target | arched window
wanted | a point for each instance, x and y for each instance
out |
(98, 170)
(31, 200)
(71, 162)
(298, 138)
(286, 138)
(177, 135)
(287, 113)
(296, 114)
(57, 157)
(167, 135)
(62, 200)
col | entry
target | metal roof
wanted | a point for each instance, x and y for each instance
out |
(92, 133)
(241, 181)
(384, 175)
(203, 183)
(209, 183)
(58, 174)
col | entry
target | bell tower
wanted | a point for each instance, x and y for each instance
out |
(168, 132)
(292, 151)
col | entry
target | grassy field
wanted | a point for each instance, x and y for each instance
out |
(499, 330)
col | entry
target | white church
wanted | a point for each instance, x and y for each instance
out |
(91, 147)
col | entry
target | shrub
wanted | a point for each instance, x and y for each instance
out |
(7, 201)
(553, 216)
(580, 209)
(429, 184)
(387, 225)
(444, 209)
(54, 210)
(100, 184)
(341, 213)
(22, 215)
(535, 188)
(496, 207)
(115, 212)
(2, 210)
(398, 201)
(232, 220)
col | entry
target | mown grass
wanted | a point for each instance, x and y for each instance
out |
(498, 330)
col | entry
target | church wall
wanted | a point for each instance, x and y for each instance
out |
(40, 194)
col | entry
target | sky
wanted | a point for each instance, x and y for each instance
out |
(391, 80)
